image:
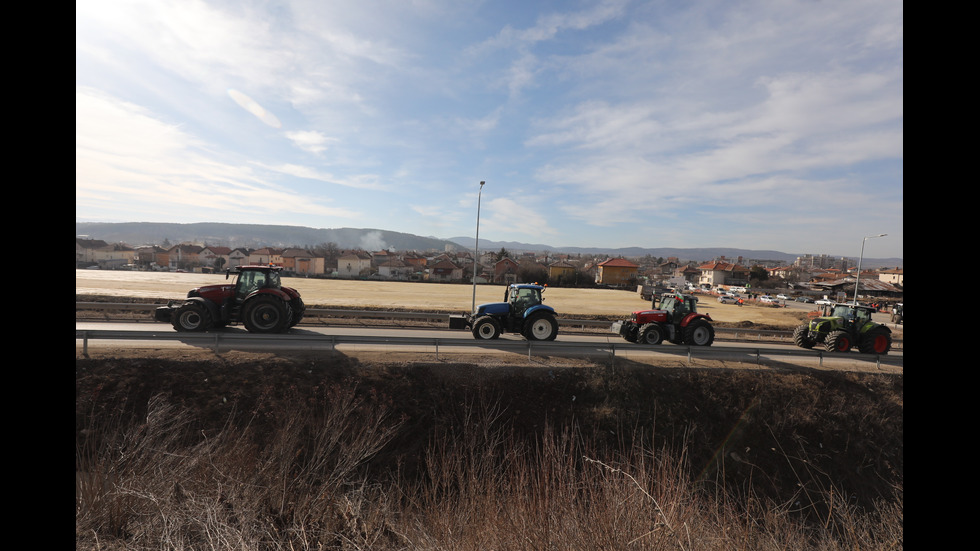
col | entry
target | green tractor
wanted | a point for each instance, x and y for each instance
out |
(845, 327)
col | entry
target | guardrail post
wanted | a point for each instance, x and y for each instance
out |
(85, 343)
(216, 336)
(690, 354)
(437, 350)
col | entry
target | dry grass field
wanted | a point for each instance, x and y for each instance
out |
(429, 297)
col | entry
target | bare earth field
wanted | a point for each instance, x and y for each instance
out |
(429, 297)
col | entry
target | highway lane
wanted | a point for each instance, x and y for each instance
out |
(445, 341)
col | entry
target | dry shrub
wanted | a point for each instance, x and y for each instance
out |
(311, 469)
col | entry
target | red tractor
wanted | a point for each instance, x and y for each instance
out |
(257, 299)
(677, 320)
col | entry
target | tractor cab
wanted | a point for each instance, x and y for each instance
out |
(522, 297)
(253, 278)
(850, 315)
(678, 306)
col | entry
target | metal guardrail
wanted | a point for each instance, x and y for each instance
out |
(217, 340)
(722, 332)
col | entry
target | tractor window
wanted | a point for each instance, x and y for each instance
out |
(680, 309)
(863, 316)
(523, 299)
(272, 280)
(250, 281)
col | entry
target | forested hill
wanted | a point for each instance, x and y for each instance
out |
(256, 235)
(260, 235)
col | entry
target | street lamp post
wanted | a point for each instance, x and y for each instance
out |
(860, 259)
(476, 247)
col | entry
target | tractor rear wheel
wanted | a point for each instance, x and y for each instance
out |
(801, 336)
(541, 327)
(486, 328)
(191, 316)
(266, 314)
(839, 341)
(876, 341)
(699, 333)
(650, 333)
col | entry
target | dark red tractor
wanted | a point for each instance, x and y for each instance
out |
(257, 300)
(677, 320)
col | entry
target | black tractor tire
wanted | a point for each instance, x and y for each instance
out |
(541, 327)
(699, 333)
(650, 333)
(191, 317)
(486, 328)
(631, 333)
(839, 341)
(875, 341)
(801, 336)
(266, 314)
(299, 309)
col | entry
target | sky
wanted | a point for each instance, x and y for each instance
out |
(769, 124)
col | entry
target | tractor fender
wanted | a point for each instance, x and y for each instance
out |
(290, 292)
(688, 319)
(210, 306)
(538, 308)
(872, 325)
(282, 295)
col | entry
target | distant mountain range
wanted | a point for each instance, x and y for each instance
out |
(259, 235)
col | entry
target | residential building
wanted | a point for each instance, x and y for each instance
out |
(214, 257)
(561, 272)
(895, 276)
(445, 270)
(183, 256)
(723, 273)
(301, 261)
(616, 272)
(505, 271)
(354, 264)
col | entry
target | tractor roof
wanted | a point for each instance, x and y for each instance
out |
(526, 286)
(264, 267)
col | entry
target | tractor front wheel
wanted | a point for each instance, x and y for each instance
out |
(651, 334)
(266, 314)
(801, 336)
(191, 317)
(486, 328)
(839, 341)
(541, 328)
(298, 308)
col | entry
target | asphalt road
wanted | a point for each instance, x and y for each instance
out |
(445, 341)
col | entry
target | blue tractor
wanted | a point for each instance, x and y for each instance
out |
(523, 313)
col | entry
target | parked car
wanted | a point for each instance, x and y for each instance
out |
(727, 299)
(767, 299)
(824, 302)
(807, 300)
(782, 297)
